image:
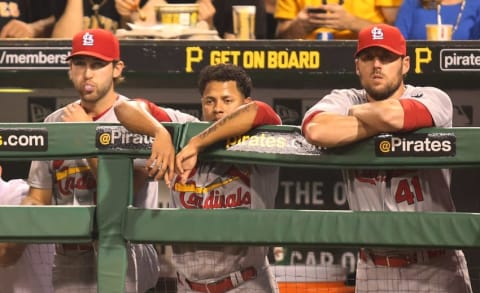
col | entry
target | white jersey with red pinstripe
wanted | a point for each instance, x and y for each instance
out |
(225, 186)
(396, 190)
(73, 183)
(402, 190)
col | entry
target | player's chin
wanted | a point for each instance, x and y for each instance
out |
(91, 96)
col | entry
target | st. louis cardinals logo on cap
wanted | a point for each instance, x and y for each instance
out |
(97, 43)
(377, 33)
(384, 36)
(87, 39)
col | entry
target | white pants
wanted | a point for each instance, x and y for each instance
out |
(443, 274)
(263, 283)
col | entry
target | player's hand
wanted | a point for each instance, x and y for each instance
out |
(74, 112)
(161, 164)
(126, 7)
(17, 29)
(185, 162)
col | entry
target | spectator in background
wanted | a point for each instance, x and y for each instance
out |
(463, 15)
(343, 18)
(26, 19)
(33, 271)
(74, 16)
(218, 14)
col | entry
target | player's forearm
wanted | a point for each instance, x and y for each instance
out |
(234, 124)
(332, 130)
(38, 196)
(381, 116)
(136, 118)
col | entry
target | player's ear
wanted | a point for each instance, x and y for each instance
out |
(69, 69)
(406, 64)
(118, 68)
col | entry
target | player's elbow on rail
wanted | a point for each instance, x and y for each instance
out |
(314, 135)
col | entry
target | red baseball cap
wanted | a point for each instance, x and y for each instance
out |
(384, 36)
(98, 43)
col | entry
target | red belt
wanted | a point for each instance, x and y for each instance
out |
(224, 284)
(79, 247)
(398, 260)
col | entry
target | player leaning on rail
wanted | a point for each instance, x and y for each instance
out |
(386, 104)
(225, 97)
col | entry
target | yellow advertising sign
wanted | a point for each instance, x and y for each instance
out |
(254, 59)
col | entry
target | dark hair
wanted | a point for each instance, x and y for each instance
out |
(225, 72)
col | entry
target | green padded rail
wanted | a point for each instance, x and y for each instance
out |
(294, 151)
(316, 227)
(47, 223)
(63, 140)
(74, 140)
(298, 227)
(82, 139)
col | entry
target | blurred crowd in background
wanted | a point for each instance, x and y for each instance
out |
(274, 19)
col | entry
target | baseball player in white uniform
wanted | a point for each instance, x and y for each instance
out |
(73, 183)
(33, 271)
(386, 104)
(225, 91)
(95, 66)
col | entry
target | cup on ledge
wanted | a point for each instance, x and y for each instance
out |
(244, 22)
(177, 14)
(439, 32)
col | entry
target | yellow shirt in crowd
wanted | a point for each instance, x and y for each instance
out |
(366, 9)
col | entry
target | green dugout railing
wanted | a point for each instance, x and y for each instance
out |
(117, 221)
